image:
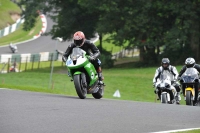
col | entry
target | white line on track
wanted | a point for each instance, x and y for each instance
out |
(179, 130)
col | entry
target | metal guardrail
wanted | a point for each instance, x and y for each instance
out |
(126, 53)
(7, 60)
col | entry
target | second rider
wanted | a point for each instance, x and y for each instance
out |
(170, 71)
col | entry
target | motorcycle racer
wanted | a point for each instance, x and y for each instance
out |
(91, 50)
(190, 62)
(170, 71)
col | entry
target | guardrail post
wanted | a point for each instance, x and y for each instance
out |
(26, 63)
(20, 62)
(39, 62)
(8, 69)
(33, 61)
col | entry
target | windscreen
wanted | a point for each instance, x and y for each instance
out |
(76, 52)
(191, 71)
(190, 75)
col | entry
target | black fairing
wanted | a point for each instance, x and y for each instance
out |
(190, 76)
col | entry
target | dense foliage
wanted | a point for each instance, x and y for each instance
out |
(160, 28)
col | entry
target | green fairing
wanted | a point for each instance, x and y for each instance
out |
(90, 70)
(87, 65)
(92, 73)
(78, 66)
(77, 72)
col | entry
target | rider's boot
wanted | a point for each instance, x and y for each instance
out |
(178, 98)
(100, 76)
(172, 98)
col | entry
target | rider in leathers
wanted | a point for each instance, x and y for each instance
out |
(81, 42)
(190, 62)
(172, 72)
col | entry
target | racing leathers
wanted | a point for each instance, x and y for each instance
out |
(183, 69)
(93, 53)
(172, 72)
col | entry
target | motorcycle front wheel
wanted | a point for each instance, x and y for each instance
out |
(189, 96)
(80, 90)
(164, 98)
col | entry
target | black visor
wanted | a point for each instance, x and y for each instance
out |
(189, 65)
(78, 42)
(165, 65)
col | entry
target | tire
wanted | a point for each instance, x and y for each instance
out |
(80, 90)
(99, 93)
(164, 98)
(198, 101)
(189, 100)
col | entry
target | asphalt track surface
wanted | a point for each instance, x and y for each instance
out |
(41, 44)
(30, 112)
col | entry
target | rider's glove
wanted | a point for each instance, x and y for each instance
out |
(179, 78)
(91, 58)
(154, 84)
(156, 91)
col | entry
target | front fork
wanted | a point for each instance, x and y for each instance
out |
(83, 77)
(192, 90)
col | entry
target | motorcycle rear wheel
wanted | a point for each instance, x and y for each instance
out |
(80, 90)
(189, 100)
(99, 93)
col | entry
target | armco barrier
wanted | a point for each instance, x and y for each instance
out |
(22, 58)
(11, 28)
(15, 26)
(28, 61)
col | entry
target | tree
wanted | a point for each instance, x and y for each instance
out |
(31, 13)
(170, 27)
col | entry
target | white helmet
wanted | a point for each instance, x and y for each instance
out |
(189, 62)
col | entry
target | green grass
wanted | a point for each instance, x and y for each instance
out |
(133, 83)
(6, 8)
(21, 35)
(192, 131)
(109, 46)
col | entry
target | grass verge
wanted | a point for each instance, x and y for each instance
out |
(133, 83)
(6, 9)
(20, 35)
(109, 46)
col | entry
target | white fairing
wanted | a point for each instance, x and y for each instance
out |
(162, 83)
(168, 97)
(167, 80)
(79, 61)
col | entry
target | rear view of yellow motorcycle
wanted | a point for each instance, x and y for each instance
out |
(190, 81)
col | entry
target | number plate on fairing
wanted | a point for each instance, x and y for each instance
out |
(69, 62)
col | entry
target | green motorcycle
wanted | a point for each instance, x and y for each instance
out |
(84, 74)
